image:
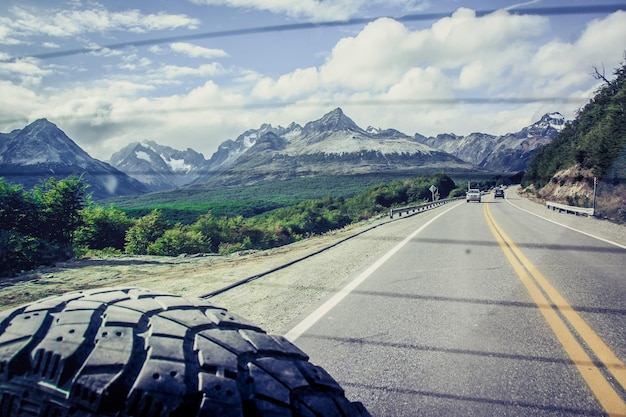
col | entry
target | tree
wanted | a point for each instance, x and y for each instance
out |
(36, 228)
(17, 208)
(209, 227)
(61, 203)
(102, 228)
(145, 232)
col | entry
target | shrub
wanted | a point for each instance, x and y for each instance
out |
(102, 228)
(179, 240)
(145, 232)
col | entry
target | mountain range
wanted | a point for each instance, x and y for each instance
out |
(331, 145)
(507, 153)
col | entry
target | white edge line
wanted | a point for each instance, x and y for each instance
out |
(316, 315)
(610, 242)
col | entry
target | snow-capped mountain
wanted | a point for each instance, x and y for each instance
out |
(332, 145)
(41, 150)
(507, 153)
(513, 151)
(160, 167)
(229, 150)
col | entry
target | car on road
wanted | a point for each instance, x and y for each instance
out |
(473, 194)
(499, 192)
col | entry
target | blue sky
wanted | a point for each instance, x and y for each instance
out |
(409, 74)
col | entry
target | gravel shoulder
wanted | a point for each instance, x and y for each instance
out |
(277, 301)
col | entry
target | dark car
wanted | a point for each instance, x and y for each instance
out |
(499, 192)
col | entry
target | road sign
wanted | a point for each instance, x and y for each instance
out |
(432, 192)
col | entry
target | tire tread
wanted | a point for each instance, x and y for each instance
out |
(122, 352)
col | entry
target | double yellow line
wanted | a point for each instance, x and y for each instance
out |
(561, 317)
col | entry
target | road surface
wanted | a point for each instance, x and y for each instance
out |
(486, 310)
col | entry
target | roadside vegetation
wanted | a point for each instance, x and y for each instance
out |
(58, 220)
(591, 146)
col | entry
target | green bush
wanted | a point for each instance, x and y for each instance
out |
(145, 232)
(179, 240)
(102, 228)
(19, 252)
(37, 228)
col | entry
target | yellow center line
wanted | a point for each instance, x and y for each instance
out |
(608, 397)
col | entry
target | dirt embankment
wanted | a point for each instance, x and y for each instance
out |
(574, 186)
(570, 186)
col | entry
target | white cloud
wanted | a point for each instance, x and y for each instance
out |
(317, 10)
(26, 22)
(196, 51)
(421, 83)
(51, 45)
(16, 111)
(381, 54)
(133, 62)
(25, 71)
(561, 65)
(297, 83)
(176, 71)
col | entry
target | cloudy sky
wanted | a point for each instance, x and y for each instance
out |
(193, 73)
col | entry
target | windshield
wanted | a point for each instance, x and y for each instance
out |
(328, 170)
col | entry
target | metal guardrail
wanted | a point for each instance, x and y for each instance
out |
(421, 207)
(570, 209)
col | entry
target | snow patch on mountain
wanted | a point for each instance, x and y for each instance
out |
(142, 155)
(177, 165)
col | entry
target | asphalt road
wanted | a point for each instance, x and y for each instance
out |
(484, 311)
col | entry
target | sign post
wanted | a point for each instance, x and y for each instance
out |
(432, 192)
(595, 188)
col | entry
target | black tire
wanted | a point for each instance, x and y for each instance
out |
(122, 352)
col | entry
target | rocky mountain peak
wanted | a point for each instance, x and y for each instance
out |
(159, 167)
(42, 142)
(333, 121)
(41, 150)
(554, 120)
(39, 125)
(549, 126)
